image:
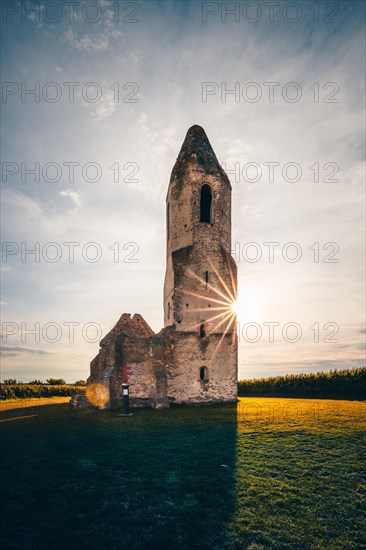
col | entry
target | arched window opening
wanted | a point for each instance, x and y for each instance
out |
(203, 373)
(206, 204)
(202, 331)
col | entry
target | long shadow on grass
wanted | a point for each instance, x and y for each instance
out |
(92, 479)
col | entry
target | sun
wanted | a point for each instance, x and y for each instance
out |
(248, 305)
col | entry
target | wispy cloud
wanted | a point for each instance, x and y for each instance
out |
(21, 350)
(87, 42)
(73, 195)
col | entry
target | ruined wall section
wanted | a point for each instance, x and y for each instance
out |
(142, 364)
(131, 353)
(217, 355)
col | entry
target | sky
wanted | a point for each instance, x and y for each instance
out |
(278, 88)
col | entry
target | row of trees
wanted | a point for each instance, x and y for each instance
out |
(49, 382)
(16, 391)
(347, 384)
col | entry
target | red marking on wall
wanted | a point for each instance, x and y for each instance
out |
(126, 372)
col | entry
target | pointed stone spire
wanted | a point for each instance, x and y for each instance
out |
(197, 149)
(196, 141)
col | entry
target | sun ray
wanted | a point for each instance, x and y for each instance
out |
(204, 297)
(221, 280)
(223, 336)
(209, 320)
(225, 317)
(224, 307)
(215, 351)
(209, 286)
(210, 309)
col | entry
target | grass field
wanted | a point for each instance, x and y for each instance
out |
(267, 473)
(10, 404)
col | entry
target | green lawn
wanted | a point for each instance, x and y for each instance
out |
(267, 473)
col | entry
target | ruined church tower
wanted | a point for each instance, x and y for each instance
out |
(194, 358)
(201, 275)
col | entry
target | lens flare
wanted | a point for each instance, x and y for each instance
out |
(97, 395)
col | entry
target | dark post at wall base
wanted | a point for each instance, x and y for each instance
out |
(125, 401)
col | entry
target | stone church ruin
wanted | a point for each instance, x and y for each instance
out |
(194, 358)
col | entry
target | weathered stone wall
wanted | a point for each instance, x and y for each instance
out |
(130, 353)
(140, 362)
(195, 247)
(165, 368)
(186, 230)
(196, 302)
(217, 355)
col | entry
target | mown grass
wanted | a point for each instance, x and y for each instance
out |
(18, 403)
(267, 473)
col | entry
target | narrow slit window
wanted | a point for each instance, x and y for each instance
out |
(202, 331)
(206, 204)
(203, 374)
(206, 278)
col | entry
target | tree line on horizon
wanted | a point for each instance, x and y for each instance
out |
(345, 383)
(339, 384)
(53, 387)
(49, 382)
